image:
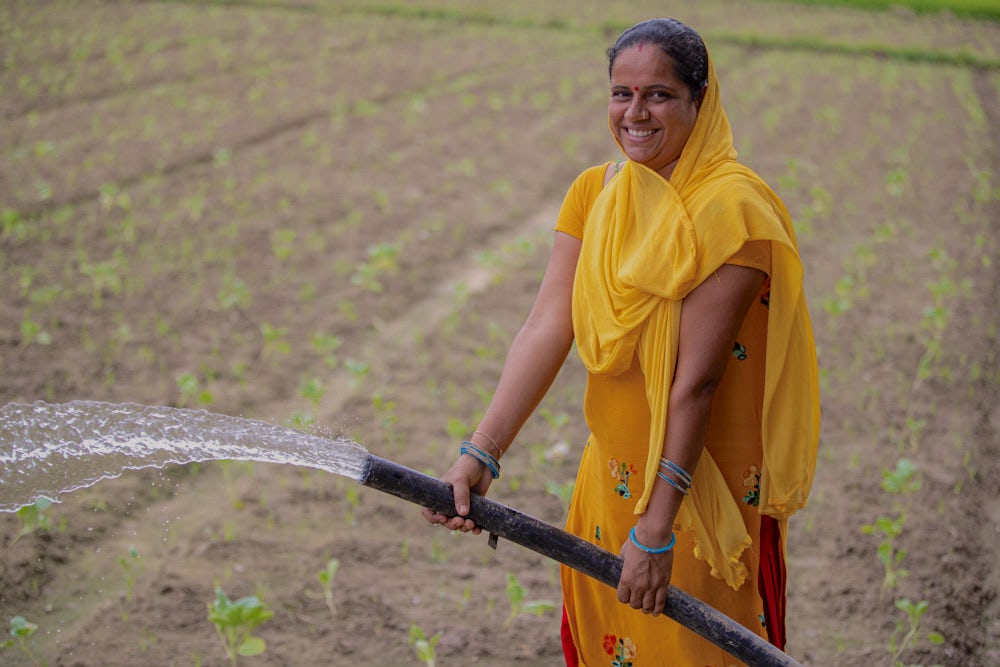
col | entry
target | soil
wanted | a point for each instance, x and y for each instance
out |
(336, 219)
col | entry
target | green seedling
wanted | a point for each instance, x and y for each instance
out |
(21, 630)
(888, 553)
(904, 480)
(325, 577)
(907, 631)
(34, 517)
(518, 605)
(312, 390)
(424, 647)
(235, 622)
(131, 566)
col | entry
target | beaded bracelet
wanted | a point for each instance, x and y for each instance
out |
(661, 550)
(487, 460)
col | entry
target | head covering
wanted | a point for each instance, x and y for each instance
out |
(647, 243)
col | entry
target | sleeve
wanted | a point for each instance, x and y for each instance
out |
(753, 254)
(579, 199)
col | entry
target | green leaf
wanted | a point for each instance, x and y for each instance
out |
(935, 638)
(252, 646)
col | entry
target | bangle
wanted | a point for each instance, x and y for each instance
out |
(487, 460)
(684, 491)
(491, 441)
(661, 550)
(682, 474)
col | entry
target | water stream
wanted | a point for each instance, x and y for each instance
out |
(47, 450)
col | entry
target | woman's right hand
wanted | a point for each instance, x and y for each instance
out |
(466, 476)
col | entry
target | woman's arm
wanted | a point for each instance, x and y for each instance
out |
(711, 316)
(535, 356)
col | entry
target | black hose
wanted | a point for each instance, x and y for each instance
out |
(500, 520)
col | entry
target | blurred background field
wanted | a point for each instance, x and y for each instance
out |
(334, 215)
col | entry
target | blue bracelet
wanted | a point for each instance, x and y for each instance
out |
(681, 473)
(662, 550)
(487, 460)
(673, 483)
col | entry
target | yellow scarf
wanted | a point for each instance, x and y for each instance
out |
(647, 243)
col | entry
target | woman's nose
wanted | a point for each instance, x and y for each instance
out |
(637, 109)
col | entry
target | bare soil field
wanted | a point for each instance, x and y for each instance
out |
(334, 216)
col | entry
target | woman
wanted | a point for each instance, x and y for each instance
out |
(676, 272)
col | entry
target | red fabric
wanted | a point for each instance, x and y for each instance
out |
(771, 580)
(569, 648)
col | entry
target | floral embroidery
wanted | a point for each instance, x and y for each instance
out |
(751, 480)
(740, 351)
(763, 621)
(621, 471)
(621, 649)
(597, 534)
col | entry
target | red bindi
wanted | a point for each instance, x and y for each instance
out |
(635, 88)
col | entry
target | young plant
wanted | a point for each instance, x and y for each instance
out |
(34, 517)
(424, 647)
(21, 630)
(325, 577)
(235, 622)
(518, 605)
(907, 633)
(132, 566)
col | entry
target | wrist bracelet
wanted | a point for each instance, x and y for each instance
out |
(487, 460)
(661, 550)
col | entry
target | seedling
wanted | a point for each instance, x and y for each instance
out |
(21, 630)
(910, 630)
(235, 622)
(518, 605)
(424, 647)
(34, 517)
(131, 565)
(325, 577)
(888, 554)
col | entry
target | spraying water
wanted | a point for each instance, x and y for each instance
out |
(47, 450)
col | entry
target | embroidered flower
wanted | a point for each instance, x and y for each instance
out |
(621, 471)
(621, 650)
(597, 534)
(751, 480)
(740, 351)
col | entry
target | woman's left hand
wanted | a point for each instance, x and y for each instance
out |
(645, 578)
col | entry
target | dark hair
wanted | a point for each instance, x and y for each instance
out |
(678, 41)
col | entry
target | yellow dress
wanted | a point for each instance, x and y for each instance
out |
(760, 449)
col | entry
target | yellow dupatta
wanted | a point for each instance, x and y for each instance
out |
(646, 244)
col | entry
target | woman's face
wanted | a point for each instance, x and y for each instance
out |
(651, 110)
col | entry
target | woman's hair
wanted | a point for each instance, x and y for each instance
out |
(678, 41)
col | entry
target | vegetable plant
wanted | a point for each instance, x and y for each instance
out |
(21, 630)
(235, 622)
(907, 632)
(424, 647)
(518, 605)
(325, 577)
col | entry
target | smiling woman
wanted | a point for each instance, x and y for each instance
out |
(689, 472)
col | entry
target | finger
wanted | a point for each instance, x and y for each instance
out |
(660, 601)
(648, 602)
(624, 594)
(461, 492)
